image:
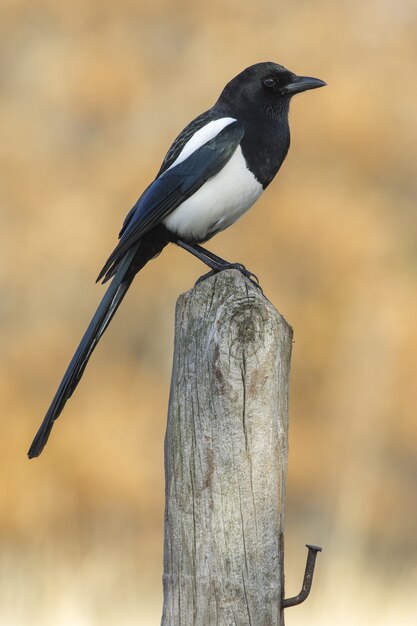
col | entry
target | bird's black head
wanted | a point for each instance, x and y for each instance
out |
(265, 87)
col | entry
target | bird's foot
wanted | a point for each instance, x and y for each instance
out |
(246, 273)
(234, 266)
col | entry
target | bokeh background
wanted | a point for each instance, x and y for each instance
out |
(92, 93)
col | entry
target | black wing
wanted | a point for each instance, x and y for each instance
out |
(171, 188)
(172, 154)
(183, 137)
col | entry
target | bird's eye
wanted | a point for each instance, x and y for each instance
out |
(270, 82)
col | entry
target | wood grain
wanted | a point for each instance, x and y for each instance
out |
(226, 457)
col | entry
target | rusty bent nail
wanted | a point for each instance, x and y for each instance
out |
(308, 578)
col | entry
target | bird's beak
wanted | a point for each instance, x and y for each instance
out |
(302, 83)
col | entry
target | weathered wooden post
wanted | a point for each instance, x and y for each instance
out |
(226, 458)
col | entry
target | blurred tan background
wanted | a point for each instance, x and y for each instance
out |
(92, 94)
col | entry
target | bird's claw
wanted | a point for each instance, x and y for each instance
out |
(234, 266)
(246, 273)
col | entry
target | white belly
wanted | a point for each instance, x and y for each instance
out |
(218, 203)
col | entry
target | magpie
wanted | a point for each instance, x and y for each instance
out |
(215, 170)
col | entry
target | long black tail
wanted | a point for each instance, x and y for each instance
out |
(102, 317)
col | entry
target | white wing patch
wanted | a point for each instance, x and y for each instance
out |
(218, 203)
(200, 137)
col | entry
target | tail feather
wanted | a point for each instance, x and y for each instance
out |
(102, 317)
